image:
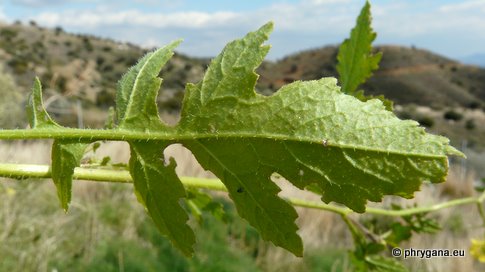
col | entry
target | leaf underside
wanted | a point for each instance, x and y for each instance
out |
(308, 132)
(156, 184)
(66, 154)
(160, 190)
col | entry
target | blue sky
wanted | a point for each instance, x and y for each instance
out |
(448, 27)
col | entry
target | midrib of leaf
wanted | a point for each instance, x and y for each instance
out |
(38, 116)
(135, 86)
(352, 67)
(174, 137)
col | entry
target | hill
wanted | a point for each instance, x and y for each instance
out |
(405, 75)
(82, 68)
(79, 73)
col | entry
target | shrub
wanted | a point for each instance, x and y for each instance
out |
(58, 30)
(470, 124)
(426, 121)
(453, 115)
(474, 105)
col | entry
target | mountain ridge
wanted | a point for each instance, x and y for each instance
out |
(404, 75)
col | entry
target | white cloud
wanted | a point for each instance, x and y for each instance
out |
(42, 3)
(475, 5)
(409, 23)
(136, 18)
(3, 16)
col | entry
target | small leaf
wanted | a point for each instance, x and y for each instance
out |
(399, 233)
(38, 117)
(355, 59)
(160, 190)
(105, 161)
(95, 147)
(66, 155)
(110, 121)
(386, 102)
(138, 89)
(382, 264)
(198, 202)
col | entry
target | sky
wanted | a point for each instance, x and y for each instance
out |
(448, 27)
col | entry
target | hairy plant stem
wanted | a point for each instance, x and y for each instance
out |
(171, 134)
(24, 171)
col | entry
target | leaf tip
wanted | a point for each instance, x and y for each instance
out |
(450, 150)
(268, 27)
(176, 43)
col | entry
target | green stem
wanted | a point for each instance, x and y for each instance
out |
(481, 212)
(86, 134)
(23, 171)
(170, 134)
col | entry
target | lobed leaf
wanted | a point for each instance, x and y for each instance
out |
(38, 116)
(308, 132)
(355, 59)
(138, 89)
(160, 190)
(311, 133)
(156, 184)
(66, 154)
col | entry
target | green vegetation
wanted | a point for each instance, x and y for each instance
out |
(344, 148)
(453, 115)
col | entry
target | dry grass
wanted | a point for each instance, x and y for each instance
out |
(33, 230)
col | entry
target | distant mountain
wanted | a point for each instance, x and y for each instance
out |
(475, 59)
(406, 75)
(83, 68)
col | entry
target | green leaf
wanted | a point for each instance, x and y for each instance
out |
(38, 117)
(382, 264)
(160, 190)
(355, 59)
(156, 184)
(399, 233)
(137, 91)
(388, 104)
(110, 121)
(198, 202)
(66, 155)
(309, 133)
